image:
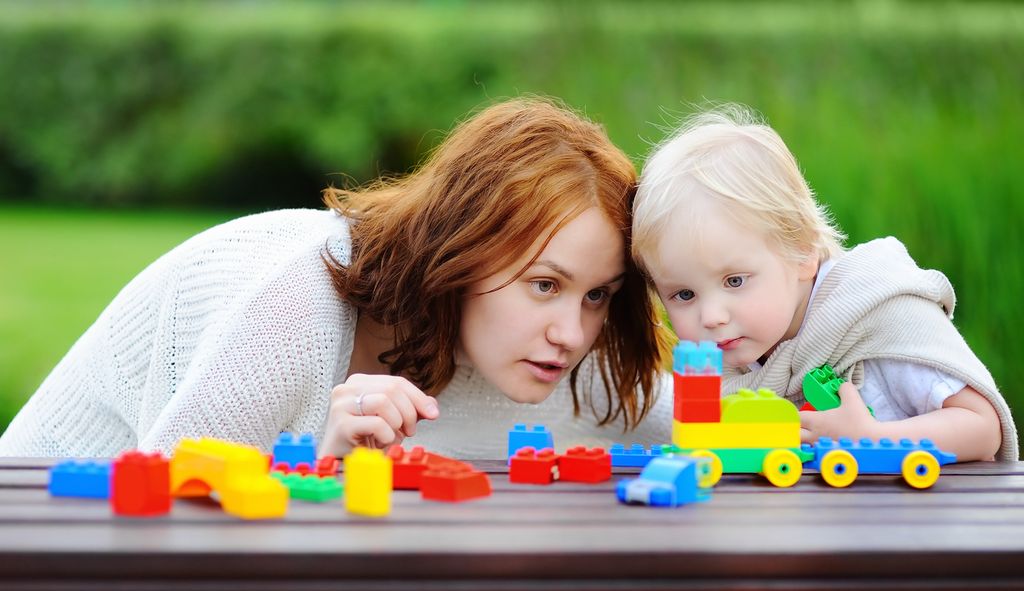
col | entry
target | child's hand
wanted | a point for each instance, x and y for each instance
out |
(851, 419)
(374, 411)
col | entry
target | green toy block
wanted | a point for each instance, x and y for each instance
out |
(763, 406)
(741, 461)
(821, 388)
(311, 487)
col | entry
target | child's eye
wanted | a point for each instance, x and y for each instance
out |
(543, 286)
(735, 281)
(685, 295)
(597, 296)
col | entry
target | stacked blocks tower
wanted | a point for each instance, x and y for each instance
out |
(697, 373)
(752, 432)
(538, 438)
(294, 450)
(239, 474)
(75, 478)
(140, 484)
(368, 476)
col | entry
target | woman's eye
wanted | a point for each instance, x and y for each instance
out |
(596, 296)
(685, 295)
(735, 281)
(544, 286)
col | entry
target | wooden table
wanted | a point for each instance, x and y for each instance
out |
(966, 531)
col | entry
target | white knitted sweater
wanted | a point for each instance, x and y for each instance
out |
(238, 334)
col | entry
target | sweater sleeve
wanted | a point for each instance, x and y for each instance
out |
(268, 366)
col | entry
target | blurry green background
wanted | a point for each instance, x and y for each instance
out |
(127, 127)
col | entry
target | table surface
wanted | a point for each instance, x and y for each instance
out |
(967, 529)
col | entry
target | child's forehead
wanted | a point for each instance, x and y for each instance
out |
(709, 236)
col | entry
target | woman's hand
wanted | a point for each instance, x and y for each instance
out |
(852, 419)
(374, 411)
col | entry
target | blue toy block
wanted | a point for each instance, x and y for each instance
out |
(667, 482)
(294, 450)
(80, 479)
(538, 438)
(634, 457)
(690, 358)
(883, 456)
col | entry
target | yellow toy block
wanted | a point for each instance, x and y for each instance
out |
(368, 482)
(735, 435)
(237, 473)
(763, 406)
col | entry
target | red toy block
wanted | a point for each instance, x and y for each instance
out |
(327, 466)
(580, 464)
(454, 482)
(141, 484)
(530, 466)
(699, 411)
(407, 466)
(699, 387)
(808, 406)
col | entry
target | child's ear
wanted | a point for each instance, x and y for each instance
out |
(807, 270)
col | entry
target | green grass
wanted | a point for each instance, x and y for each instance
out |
(61, 268)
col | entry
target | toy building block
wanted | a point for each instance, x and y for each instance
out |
(408, 466)
(538, 438)
(690, 358)
(633, 456)
(294, 450)
(841, 461)
(735, 435)
(697, 387)
(530, 466)
(140, 484)
(580, 464)
(368, 476)
(454, 482)
(763, 406)
(821, 389)
(310, 487)
(237, 473)
(325, 466)
(74, 478)
(668, 482)
(698, 411)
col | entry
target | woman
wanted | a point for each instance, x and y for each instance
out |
(491, 286)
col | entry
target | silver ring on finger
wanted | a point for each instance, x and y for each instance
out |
(359, 403)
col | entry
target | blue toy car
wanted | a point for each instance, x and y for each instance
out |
(668, 481)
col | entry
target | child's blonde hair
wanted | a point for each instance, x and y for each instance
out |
(729, 156)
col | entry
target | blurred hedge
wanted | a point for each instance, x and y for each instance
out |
(907, 116)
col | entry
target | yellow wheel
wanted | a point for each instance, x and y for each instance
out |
(920, 469)
(782, 467)
(839, 468)
(714, 468)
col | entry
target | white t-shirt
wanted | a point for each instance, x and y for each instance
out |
(896, 389)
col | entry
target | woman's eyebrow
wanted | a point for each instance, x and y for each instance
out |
(568, 274)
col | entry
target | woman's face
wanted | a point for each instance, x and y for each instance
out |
(527, 336)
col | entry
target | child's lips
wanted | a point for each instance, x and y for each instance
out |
(729, 344)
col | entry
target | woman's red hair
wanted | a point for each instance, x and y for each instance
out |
(515, 172)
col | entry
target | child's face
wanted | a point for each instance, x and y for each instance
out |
(730, 286)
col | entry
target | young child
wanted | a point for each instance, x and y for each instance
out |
(742, 254)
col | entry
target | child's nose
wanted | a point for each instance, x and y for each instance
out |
(713, 316)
